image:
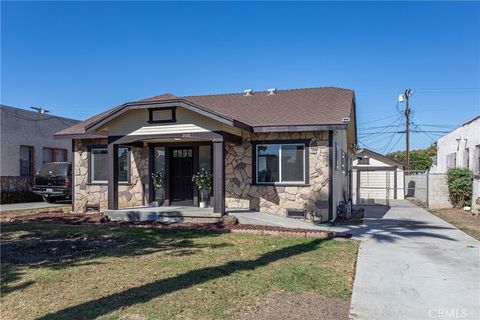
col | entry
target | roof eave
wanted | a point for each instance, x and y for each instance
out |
(297, 128)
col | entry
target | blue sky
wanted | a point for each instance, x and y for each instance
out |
(78, 59)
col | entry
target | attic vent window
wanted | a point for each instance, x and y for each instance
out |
(161, 115)
(364, 160)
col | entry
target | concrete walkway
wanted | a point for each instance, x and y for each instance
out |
(413, 265)
(31, 205)
(264, 219)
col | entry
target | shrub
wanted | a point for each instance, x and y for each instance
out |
(460, 182)
(19, 197)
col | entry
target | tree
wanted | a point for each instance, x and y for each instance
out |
(420, 159)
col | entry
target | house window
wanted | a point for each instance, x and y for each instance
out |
(466, 160)
(364, 160)
(99, 162)
(204, 157)
(476, 169)
(161, 115)
(98, 165)
(344, 161)
(26, 161)
(451, 160)
(280, 163)
(123, 164)
(54, 155)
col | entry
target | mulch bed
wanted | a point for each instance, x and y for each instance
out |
(100, 219)
(356, 218)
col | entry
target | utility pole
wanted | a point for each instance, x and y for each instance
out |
(407, 95)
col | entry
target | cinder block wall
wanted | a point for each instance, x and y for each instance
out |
(438, 191)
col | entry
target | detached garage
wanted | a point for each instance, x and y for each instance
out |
(376, 178)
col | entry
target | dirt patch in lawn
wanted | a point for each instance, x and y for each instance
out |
(301, 306)
(34, 250)
(463, 220)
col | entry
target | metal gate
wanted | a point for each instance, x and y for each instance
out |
(376, 185)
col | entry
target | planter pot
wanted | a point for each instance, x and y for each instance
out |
(203, 204)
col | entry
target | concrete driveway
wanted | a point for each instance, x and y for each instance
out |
(31, 205)
(413, 265)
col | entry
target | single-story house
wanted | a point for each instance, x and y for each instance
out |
(461, 149)
(376, 178)
(278, 151)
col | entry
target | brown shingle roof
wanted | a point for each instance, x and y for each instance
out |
(313, 106)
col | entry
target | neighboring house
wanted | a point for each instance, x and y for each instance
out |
(26, 143)
(279, 152)
(376, 178)
(461, 149)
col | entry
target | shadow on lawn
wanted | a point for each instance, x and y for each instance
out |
(36, 245)
(144, 293)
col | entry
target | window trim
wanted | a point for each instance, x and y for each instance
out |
(90, 165)
(31, 161)
(304, 142)
(173, 118)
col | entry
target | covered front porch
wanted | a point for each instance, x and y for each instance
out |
(178, 156)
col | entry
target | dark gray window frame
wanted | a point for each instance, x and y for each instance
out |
(89, 164)
(171, 120)
(306, 144)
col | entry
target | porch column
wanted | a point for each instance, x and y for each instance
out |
(151, 159)
(112, 165)
(219, 177)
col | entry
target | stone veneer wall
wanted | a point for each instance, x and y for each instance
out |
(16, 184)
(241, 193)
(133, 194)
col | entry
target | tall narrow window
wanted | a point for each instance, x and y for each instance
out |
(280, 163)
(466, 156)
(123, 164)
(98, 165)
(159, 162)
(452, 160)
(204, 157)
(336, 156)
(26, 161)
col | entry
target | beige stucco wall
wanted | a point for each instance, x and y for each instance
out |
(129, 195)
(241, 193)
(136, 122)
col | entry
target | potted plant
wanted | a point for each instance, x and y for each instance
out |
(203, 180)
(158, 182)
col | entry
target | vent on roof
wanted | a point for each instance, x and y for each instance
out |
(247, 92)
(271, 91)
(346, 120)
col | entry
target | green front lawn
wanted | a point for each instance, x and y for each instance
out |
(55, 271)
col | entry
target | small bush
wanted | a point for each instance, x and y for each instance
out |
(460, 183)
(19, 197)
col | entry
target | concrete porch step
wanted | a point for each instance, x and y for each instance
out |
(165, 214)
